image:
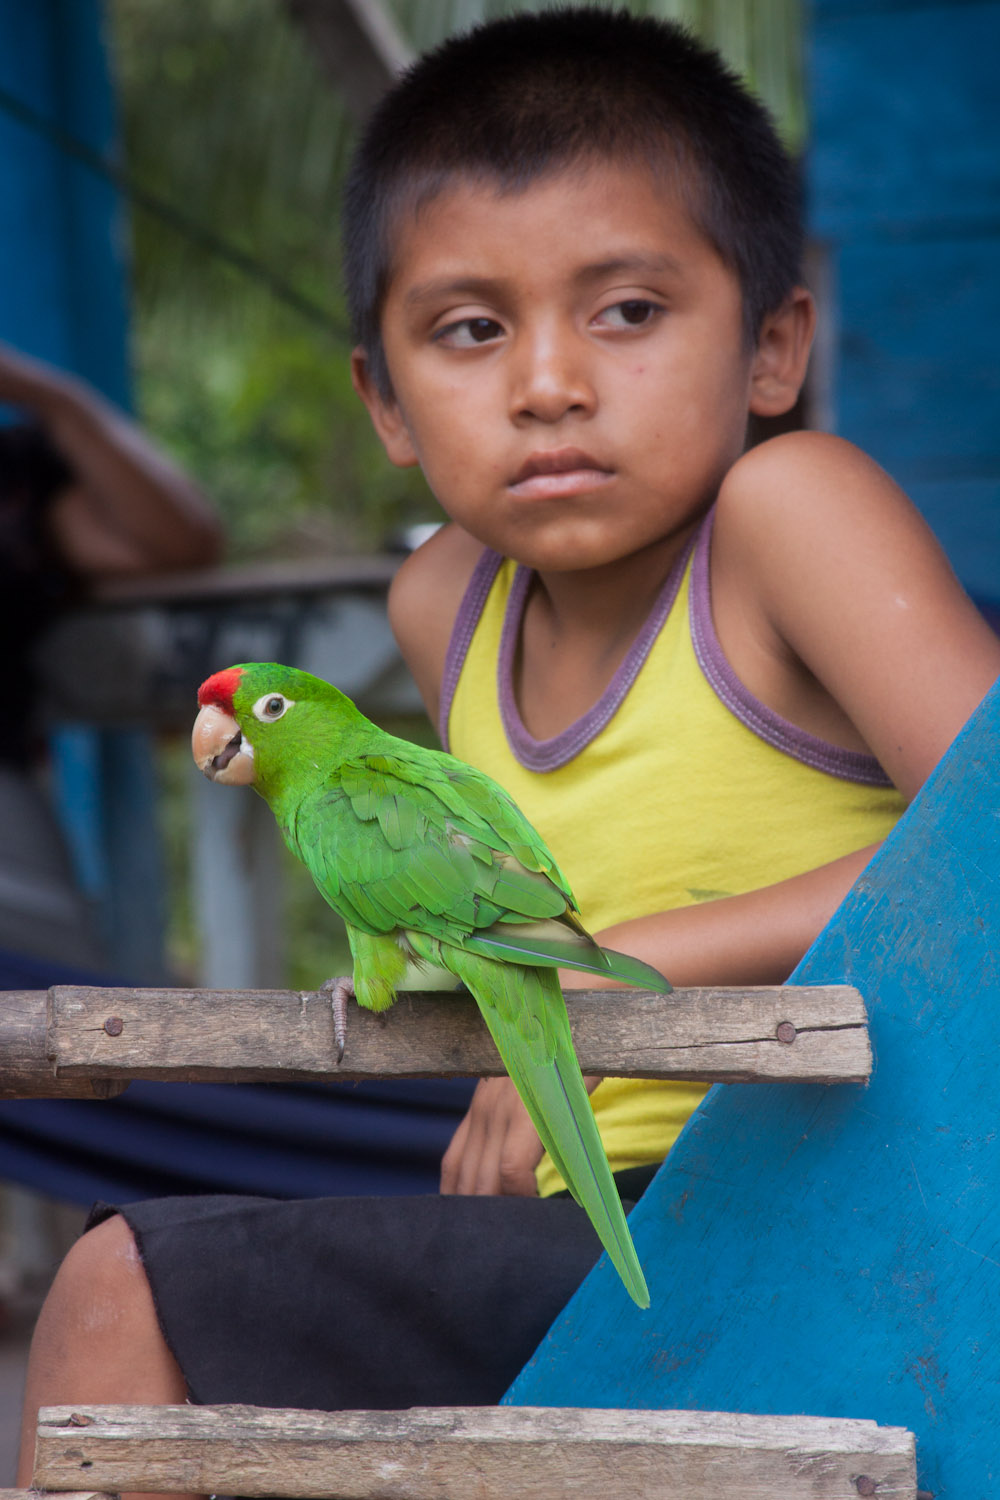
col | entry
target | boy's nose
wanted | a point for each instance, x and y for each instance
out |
(550, 379)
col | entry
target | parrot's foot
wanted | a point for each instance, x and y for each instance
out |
(339, 991)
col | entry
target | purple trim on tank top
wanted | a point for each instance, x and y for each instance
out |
(849, 765)
(549, 755)
(543, 755)
(469, 611)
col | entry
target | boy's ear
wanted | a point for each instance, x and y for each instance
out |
(779, 366)
(387, 419)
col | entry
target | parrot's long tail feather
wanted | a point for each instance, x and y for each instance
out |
(553, 945)
(633, 971)
(526, 1015)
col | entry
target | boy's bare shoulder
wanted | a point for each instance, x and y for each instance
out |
(424, 599)
(838, 608)
(809, 499)
(808, 482)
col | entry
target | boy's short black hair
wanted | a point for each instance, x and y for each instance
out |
(516, 99)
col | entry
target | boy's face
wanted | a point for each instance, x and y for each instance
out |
(568, 364)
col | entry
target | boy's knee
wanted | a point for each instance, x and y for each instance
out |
(102, 1278)
(98, 1336)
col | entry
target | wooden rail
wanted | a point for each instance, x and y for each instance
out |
(449, 1453)
(88, 1042)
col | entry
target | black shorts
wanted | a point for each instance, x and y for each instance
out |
(341, 1303)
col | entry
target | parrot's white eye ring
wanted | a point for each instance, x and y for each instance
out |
(271, 707)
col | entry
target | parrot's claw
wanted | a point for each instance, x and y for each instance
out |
(339, 991)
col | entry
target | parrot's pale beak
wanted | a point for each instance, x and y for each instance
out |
(219, 748)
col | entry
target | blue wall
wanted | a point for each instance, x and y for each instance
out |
(63, 289)
(905, 181)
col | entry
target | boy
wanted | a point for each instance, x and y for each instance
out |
(710, 677)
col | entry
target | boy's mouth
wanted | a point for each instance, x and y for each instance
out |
(561, 471)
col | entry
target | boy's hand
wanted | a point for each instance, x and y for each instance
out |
(496, 1148)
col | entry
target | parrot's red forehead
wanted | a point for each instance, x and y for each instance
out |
(219, 689)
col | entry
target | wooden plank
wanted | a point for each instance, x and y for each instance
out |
(828, 1250)
(495, 1452)
(236, 584)
(26, 1071)
(273, 1035)
(35, 1494)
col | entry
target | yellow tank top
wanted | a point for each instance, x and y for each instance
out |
(678, 786)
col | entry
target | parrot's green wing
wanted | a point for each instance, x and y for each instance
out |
(423, 841)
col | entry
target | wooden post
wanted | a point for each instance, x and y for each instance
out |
(239, 917)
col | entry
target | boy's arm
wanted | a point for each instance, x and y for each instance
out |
(128, 509)
(755, 938)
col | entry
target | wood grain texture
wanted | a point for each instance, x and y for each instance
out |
(26, 1070)
(35, 1494)
(828, 1250)
(495, 1453)
(273, 1035)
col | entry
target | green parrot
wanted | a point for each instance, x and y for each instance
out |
(429, 860)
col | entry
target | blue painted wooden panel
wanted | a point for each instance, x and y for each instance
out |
(904, 177)
(33, 288)
(63, 289)
(836, 1251)
(965, 515)
(905, 114)
(919, 376)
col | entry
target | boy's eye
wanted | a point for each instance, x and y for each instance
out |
(632, 313)
(469, 332)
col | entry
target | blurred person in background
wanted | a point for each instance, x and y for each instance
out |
(84, 496)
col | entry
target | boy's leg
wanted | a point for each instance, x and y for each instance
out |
(346, 1303)
(378, 1302)
(97, 1339)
